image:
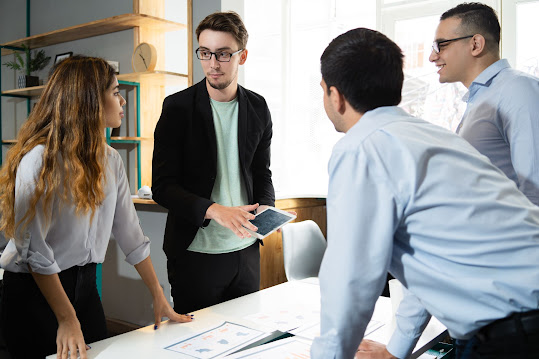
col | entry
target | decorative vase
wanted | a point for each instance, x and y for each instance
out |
(27, 81)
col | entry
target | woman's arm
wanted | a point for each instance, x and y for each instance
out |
(161, 307)
(69, 337)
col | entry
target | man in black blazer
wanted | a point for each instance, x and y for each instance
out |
(211, 171)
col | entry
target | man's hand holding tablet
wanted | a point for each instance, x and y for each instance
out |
(269, 220)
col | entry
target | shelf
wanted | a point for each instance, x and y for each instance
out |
(164, 78)
(95, 28)
(112, 139)
(116, 139)
(142, 201)
(25, 92)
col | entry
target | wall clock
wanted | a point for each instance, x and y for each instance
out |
(144, 57)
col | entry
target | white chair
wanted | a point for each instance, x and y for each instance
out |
(303, 249)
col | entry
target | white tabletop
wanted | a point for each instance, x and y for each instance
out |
(149, 343)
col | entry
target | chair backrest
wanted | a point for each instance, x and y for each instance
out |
(303, 249)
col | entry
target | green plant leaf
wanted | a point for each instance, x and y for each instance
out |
(37, 60)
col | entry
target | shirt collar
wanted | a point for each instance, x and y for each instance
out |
(377, 118)
(485, 77)
(491, 71)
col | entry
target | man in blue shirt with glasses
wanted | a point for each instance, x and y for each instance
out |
(502, 115)
(409, 197)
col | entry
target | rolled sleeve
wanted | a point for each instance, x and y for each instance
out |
(30, 237)
(140, 253)
(411, 320)
(126, 227)
(40, 264)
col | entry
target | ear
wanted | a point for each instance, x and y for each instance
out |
(337, 99)
(478, 45)
(243, 56)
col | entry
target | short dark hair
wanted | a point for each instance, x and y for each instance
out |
(366, 67)
(229, 22)
(476, 18)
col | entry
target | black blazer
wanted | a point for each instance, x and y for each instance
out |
(185, 159)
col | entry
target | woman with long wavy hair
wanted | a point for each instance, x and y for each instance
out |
(63, 191)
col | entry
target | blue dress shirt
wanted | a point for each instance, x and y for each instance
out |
(415, 199)
(502, 122)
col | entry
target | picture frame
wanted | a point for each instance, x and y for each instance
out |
(115, 65)
(63, 56)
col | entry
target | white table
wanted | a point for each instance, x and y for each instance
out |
(148, 343)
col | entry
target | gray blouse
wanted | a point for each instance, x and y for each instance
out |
(68, 239)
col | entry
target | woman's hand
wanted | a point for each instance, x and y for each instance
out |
(69, 336)
(161, 308)
(69, 340)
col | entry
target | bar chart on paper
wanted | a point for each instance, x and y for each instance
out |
(216, 341)
(290, 348)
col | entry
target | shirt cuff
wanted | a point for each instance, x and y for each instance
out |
(400, 345)
(41, 265)
(324, 347)
(140, 253)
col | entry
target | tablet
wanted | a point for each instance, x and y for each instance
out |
(270, 220)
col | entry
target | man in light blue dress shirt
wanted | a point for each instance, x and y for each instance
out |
(502, 113)
(415, 199)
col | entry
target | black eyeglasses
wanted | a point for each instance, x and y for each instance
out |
(221, 56)
(436, 44)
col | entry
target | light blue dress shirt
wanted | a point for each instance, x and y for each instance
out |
(502, 122)
(415, 199)
(68, 239)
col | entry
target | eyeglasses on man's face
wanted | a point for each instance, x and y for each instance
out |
(436, 44)
(221, 56)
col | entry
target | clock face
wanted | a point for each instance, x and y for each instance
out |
(144, 58)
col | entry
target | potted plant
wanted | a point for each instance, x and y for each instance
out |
(35, 61)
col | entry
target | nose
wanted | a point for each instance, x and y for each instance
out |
(214, 63)
(122, 101)
(433, 55)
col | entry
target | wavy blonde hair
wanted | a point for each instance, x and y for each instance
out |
(69, 121)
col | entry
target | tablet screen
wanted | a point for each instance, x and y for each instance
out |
(269, 220)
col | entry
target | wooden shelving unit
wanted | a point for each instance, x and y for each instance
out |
(95, 28)
(143, 201)
(25, 92)
(123, 139)
(163, 78)
(149, 25)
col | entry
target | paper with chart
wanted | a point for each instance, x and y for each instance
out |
(216, 341)
(286, 320)
(312, 331)
(289, 348)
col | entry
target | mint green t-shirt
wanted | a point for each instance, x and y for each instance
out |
(228, 189)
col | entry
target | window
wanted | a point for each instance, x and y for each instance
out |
(527, 51)
(286, 41)
(287, 38)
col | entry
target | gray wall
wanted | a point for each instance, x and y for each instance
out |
(201, 9)
(50, 15)
(124, 295)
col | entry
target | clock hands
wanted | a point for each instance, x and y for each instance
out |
(144, 60)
